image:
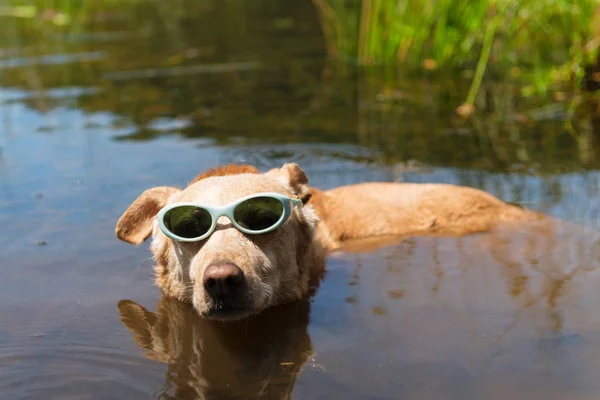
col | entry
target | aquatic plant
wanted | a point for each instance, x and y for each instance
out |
(539, 45)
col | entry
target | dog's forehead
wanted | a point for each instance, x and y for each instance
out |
(220, 190)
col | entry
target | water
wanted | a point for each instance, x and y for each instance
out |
(144, 96)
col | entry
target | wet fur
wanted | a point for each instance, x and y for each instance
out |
(284, 265)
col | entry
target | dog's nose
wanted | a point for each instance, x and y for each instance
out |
(223, 279)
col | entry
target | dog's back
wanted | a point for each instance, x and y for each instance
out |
(408, 209)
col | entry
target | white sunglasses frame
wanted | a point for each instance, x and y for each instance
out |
(228, 211)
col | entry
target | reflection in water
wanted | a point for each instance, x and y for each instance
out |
(535, 263)
(430, 317)
(511, 310)
(256, 358)
(266, 78)
(145, 94)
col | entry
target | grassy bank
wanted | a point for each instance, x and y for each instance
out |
(393, 81)
(539, 45)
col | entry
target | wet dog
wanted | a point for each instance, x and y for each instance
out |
(235, 242)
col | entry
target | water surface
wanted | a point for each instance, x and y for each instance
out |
(90, 120)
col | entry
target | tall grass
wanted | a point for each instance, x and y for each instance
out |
(538, 44)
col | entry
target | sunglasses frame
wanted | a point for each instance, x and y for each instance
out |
(228, 211)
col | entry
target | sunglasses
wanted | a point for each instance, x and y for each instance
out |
(254, 214)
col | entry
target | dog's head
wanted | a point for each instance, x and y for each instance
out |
(230, 274)
(259, 357)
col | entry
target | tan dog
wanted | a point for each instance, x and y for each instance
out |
(258, 357)
(283, 265)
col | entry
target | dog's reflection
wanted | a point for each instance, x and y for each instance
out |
(254, 358)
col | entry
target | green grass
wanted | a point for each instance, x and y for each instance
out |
(540, 45)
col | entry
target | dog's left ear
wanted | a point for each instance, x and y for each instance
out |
(292, 176)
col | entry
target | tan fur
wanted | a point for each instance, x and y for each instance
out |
(135, 225)
(279, 266)
(284, 265)
(229, 169)
(209, 359)
(293, 177)
(408, 209)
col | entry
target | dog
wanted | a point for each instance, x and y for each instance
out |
(236, 258)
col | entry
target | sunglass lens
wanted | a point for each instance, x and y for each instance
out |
(188, 222)
(258, 213)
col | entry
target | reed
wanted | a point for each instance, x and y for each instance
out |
(540, 45)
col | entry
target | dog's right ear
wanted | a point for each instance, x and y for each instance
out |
(135, 225)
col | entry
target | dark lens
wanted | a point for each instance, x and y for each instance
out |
(258, 213)
(188, 221)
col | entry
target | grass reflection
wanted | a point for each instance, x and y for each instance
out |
(258, 72)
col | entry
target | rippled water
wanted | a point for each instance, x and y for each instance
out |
(91, 120)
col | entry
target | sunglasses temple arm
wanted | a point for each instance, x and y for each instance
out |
(296, 202)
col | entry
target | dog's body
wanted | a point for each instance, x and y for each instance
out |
(369, 210)
(280, 266)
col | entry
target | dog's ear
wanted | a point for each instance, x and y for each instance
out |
(292, 176)
(135, 225)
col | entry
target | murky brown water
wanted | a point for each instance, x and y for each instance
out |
(91, 119)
